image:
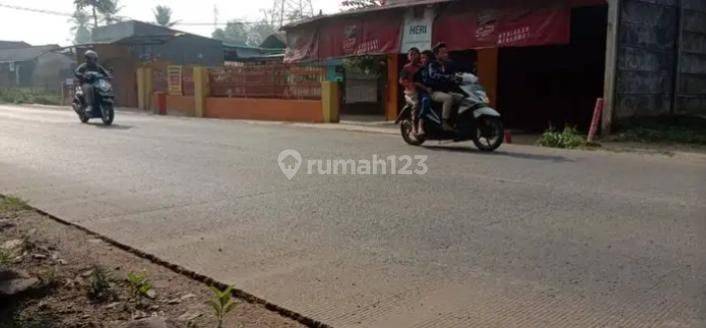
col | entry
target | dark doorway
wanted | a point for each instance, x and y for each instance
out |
(555, 86)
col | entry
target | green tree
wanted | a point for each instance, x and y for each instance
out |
(163, 16)
(235, 33)
(79, 28)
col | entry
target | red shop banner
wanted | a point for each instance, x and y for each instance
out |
(503, 27)
(363, 35)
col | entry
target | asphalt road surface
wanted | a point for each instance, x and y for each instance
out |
(525, 237)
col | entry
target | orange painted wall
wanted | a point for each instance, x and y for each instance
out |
(180, 105)
(488, 72)
(176, 105)
(265, 109)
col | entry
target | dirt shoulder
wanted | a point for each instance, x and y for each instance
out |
(82, 281)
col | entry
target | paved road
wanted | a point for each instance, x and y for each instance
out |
(526, 237)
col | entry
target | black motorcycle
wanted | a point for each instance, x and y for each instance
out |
(475, 119)
(103, 102)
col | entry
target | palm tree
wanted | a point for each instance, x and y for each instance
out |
(163, 16)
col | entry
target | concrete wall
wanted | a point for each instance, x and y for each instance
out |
(52, 70)
(645, 58)
(661, 58)
(265, 109)
(691, 81)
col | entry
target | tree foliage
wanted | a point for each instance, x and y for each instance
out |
(163, 16)
(106, 10)
(235, 33)
(242, 34)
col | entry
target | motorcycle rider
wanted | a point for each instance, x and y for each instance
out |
(90, 65)
(441, 78)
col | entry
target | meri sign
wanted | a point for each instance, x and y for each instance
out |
(417, 31)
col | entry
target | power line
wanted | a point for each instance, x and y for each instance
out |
(64, 14)
(34, 10)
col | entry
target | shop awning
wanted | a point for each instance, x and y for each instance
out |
(468, 25)
(461, 24)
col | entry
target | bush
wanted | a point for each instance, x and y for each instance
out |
(29, 96)
(569, 138)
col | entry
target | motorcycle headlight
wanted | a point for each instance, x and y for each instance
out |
(104, 85)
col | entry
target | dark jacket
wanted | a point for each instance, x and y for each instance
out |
(440, 77)
(85, 67)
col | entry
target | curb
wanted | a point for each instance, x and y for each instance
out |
(241, 294)
(328, 126)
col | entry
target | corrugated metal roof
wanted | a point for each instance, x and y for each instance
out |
(24, 54)
(13, 45)
(395, 5)
(136, 32)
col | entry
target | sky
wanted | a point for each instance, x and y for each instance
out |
(38, 29)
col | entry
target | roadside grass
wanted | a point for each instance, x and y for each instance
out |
(663, 129)
(568, 138)
(29, 96)
(11, 204)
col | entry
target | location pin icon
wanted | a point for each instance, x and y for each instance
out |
(290, 161)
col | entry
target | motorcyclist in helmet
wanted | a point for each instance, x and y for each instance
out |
(90, 65)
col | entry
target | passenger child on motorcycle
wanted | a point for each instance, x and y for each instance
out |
(91, 65)
(415, 92)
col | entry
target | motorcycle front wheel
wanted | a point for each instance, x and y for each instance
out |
(81, 114)
(489, 134)
(107, 114)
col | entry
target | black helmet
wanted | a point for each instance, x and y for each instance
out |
(90, 54)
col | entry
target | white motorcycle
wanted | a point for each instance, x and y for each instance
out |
(475, 119)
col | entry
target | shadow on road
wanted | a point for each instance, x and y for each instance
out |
(501, 153)
(111, 127)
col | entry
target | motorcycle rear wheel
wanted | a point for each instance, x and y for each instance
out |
(408, 133)
(107, 114)
(489, 134)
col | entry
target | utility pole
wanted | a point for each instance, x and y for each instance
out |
(287, 11)
(215, 17)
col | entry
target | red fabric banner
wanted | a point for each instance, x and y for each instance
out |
(506, 27)
(302, 44)
(362, 35)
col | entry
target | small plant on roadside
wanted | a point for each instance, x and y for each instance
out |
(222, 303)
(12, 204)
(5, 258)
(140, 287)
(569, 138)
(99, 287)
(49, 277)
